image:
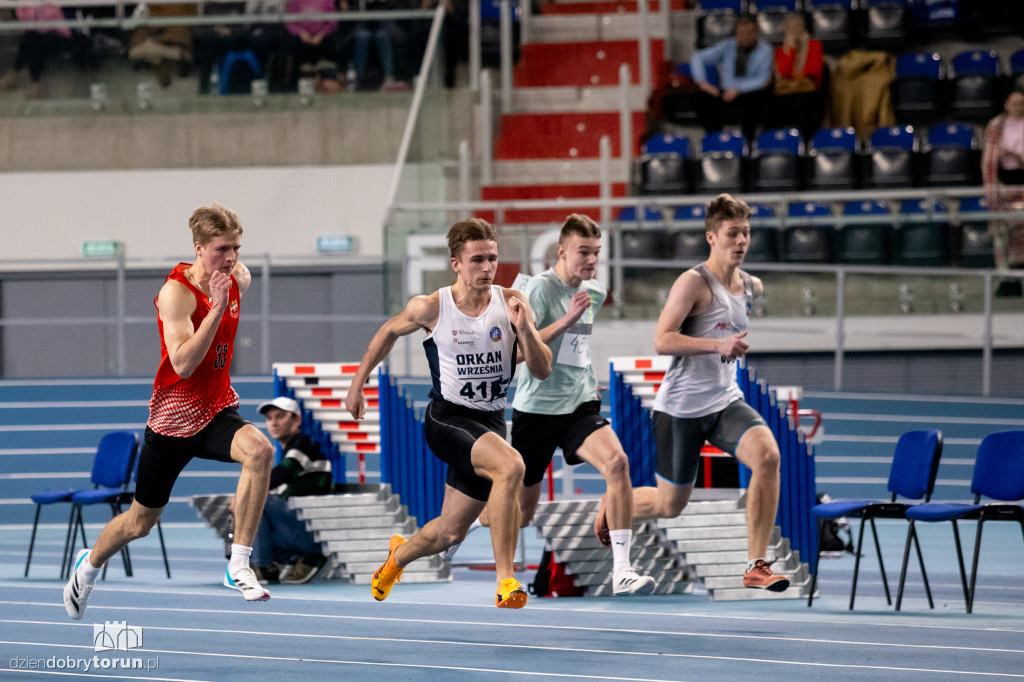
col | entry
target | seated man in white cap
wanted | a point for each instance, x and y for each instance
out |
(282, 539)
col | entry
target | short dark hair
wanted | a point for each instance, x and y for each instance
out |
(725, 207)
(749, 18)
(579, 224)
(469, 230)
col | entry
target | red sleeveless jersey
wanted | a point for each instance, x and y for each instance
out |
(183, 407)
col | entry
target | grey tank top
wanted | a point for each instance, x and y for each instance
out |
(699, 385)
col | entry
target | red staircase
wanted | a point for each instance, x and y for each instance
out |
(581, 64)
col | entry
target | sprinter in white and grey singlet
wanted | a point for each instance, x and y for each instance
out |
(704, 326)
(472, 359)
(476, 332)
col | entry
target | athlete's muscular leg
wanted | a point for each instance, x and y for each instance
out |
(758, 450)
(122, 529)
(458, 511)
(667, 501)
(603, 450)
(250, 447)
(528, 501)
(497, 461)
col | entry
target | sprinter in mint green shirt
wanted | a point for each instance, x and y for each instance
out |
(564, 410)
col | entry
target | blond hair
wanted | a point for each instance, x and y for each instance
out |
(208, 222)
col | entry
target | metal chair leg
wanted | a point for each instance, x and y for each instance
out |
(32, 541)
(903, 568)
(856, 563)
(881, 565)
(67, 545)
(924, 574)
(814, 576)
(960, 561)
(163, 548)
(974, 564)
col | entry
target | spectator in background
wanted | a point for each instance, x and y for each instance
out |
(281, 538)
(35, 47)
(798, 100)
(163, 47)
(310, 43)
(211, 43)
(745, 67)
(1002, 172)
(384, 36)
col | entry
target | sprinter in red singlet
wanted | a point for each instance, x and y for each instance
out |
(193, 412)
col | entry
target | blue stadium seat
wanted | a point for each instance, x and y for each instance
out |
(917, 88)
(832, 160)
(1017, 70)
(885, 23)
(721, 162)
(764, 236)
(891, 160)
(663, 165)
(951, 156)
(920, 241)
(976, 248)
(771, 18)
(690, 243)
(777, 160)
(865, 243)
(642, 239)
(716, 20)
(804, 242)
(974, 86)
(832, 23)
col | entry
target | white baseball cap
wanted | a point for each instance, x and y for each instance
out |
(282, 403)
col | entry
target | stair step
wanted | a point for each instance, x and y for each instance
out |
(685, 520)
(341, 523)
(352, 511)
(381, 534)
(555, 99)
(582, 63)
(568, 135)
(566, 26)
(540, 172)
(710, 533)
(672, 584)
(795, 591)
(545, 215)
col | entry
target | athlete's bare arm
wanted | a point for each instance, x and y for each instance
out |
(242, 277)
(187, 346)
(758, 286)
(535, 352)
(421, 312)
(690, 295)
(577, 306)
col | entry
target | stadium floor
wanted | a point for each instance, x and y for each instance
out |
(195, 629)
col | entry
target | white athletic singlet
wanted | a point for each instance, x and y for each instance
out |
(699, 385)
(472, 359)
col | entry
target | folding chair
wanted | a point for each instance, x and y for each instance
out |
(116, 499)
(912, 475)
(111, 468)
(998, 475)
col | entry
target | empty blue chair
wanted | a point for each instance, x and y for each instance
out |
(976, 247)
(804, 241)
(721, 162)
(716, 20)
(663, 165)
(111, 469)
(642, 239)
(998, 475)
(691, 242)
(973, 91)
(832, 23)
(922, 241)
(891, 157)
(776, 162)
(832, 159)
(950, 155)
(771, 18)
(1017, 69)
(885, 22)
(764, 235)
(868, 243)
(912, 476)
(917, 88)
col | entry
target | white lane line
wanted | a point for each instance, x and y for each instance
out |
(854, 459)
(614, 631)
(109, 677)
(74, 427)
(81, 474)
(136, 381)
(923, 419)
(589, 611)
(842, 438)
(47, 451)
(974, 400)
(61, 404)
(661, 654)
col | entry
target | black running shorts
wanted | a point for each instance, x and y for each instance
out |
(451, 431)
(163, 457)
(679, 440)
(536, 436)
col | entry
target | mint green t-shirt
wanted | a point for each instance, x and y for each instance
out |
(572, 381)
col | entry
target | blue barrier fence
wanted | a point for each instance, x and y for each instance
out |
(415, 474)
(631, 421)
(314, 429)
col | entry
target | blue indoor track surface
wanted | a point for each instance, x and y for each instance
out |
(195, 629)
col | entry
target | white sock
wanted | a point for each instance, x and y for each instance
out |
(473, 526)
(239, 557)
(621, 540)
(752, 562)
(88, 571)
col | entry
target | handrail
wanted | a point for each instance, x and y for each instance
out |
(414, 109)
